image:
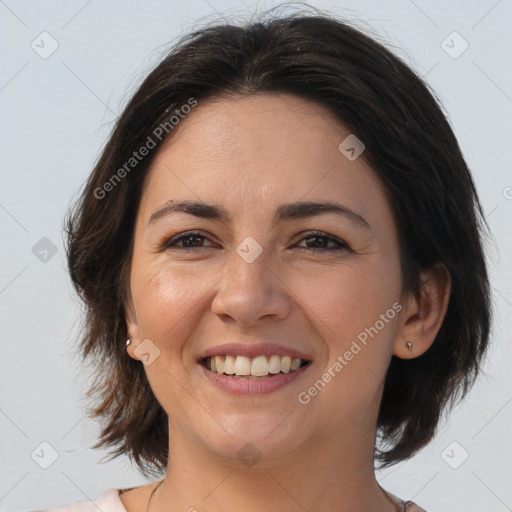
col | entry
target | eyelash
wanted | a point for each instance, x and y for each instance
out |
(341, 245)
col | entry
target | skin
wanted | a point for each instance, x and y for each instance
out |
(250, 155)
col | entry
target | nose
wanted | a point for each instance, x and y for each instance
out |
(251, 291)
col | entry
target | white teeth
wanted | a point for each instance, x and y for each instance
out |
(274, 364)
(229, 365)
(295, 364)
(260, 366)
(286, 361)
(242, 365)
(219, 364)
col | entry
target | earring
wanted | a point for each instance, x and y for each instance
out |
(128, 341)
(409, 346)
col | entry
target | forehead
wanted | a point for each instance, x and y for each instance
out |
(273, 127)
(251, 151)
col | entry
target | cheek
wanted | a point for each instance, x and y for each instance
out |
(168, 304)
(167, 301)
(344, 306)
(341, 302)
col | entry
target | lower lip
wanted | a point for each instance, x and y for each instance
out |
(248, 387)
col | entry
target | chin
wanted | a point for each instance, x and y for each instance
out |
(256, 437)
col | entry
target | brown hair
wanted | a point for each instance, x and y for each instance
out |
(409, 145)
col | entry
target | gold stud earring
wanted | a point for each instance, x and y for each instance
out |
(409, 346)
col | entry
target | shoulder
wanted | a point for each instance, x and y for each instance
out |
(404, 505)
(109, 501)
(412, 507)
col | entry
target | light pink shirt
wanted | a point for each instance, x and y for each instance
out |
(110, 501)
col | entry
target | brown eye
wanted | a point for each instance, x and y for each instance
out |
(320, 241)
(189, 240)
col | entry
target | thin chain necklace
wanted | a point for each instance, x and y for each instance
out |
(161, 482)
(152, 494)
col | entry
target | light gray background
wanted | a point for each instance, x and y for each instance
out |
(55, 115)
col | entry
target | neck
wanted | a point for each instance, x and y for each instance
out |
(329, 474)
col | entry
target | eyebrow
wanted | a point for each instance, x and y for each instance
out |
(297, 210)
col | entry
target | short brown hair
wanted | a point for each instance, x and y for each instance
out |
(409, 145)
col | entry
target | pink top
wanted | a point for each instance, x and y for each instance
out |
(110, 501)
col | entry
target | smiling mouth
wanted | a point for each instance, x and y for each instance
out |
(256, 368)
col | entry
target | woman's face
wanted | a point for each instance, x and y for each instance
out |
(255, 276)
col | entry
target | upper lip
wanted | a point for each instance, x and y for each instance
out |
(253, 349)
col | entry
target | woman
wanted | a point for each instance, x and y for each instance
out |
(280, 251)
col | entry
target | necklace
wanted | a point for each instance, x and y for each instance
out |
(161, 482)
(152, 494)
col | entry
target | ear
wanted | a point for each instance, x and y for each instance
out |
(132, 327)
(423, 315)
